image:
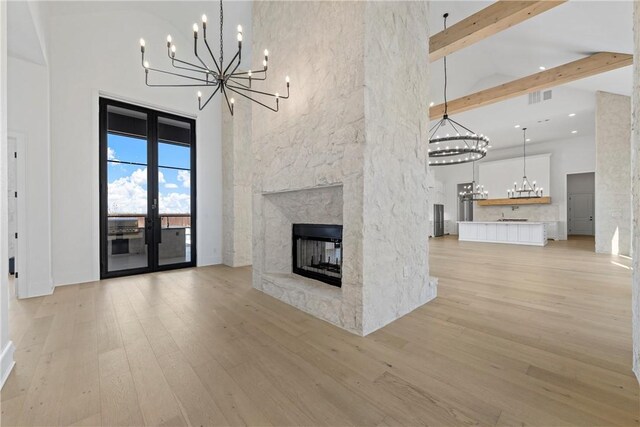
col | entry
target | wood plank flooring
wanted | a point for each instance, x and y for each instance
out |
(516, 336)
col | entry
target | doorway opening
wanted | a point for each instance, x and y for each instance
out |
(147, 190)
(580, 204)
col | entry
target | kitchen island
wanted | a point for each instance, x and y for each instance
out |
(511, 232)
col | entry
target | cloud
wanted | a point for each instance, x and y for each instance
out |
(128, 195)
(111, 154)
(161, 179)
(185, 178)
(175, 203)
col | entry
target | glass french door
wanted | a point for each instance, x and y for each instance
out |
(147, 190)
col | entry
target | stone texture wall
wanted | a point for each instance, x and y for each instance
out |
(236, 185)
(351, 125)
(316, 140)
(613, 174)
(635, 179)
(395, 206)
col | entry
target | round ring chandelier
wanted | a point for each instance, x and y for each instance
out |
(460, 144)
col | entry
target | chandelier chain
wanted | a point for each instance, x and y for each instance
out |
(221, 40)
(446, 15)
(524, 152)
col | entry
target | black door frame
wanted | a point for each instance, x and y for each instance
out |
(152, 223)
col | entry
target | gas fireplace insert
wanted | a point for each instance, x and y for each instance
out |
(317, 252)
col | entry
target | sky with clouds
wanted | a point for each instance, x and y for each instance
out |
(127, 184)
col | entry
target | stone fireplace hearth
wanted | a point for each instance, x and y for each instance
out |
(348, 148)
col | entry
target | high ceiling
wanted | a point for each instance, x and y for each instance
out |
(563, 34)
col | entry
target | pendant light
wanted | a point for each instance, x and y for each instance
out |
(526, 190)
(459, 144)
(474, 191)
(227, 80)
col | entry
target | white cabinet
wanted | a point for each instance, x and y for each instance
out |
(517, 233)
(552, 230)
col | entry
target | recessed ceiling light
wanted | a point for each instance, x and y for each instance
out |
(516, 126)
(574, 131)
(528, 139)
(432, 104)
(542, 68)
(572, 115)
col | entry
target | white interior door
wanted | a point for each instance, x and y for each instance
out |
(581, 214)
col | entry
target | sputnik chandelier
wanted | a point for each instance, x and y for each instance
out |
(474, 191)
(220, 78)
(454, 147)
(526, 190)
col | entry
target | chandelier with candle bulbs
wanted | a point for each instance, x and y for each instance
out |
(460, 144)
(217, 78)
(474, 191)
(526, 190)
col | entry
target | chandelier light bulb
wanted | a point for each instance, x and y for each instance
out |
(226, 79)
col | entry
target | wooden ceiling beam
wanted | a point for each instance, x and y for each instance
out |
(499, 16)
(597, 63)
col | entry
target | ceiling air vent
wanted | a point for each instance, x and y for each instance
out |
(534, 97)
(538, 96)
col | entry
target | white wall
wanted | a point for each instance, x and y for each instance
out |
(572, 155)
(6, 346)
(499, 175)
(28, 116)
(98, 52)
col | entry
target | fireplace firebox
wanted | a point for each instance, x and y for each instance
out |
(317, 252)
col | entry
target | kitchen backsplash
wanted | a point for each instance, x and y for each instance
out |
(530, 212)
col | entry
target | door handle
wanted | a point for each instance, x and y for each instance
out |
(148, 229)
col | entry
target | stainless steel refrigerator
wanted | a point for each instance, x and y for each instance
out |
(438, 220)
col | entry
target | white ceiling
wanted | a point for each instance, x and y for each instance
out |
(22, 35)
(563, 34)
(179, 15)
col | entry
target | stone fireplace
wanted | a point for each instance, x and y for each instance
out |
(348, 148)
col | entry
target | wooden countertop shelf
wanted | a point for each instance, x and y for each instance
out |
(504, 202)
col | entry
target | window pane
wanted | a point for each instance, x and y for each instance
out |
(174, 155)
(126, 149)
(174, 190)
(126, 189)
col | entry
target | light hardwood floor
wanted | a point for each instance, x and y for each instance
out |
(517, 336)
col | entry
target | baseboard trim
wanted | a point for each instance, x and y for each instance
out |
(204, 261)
(6, 362)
